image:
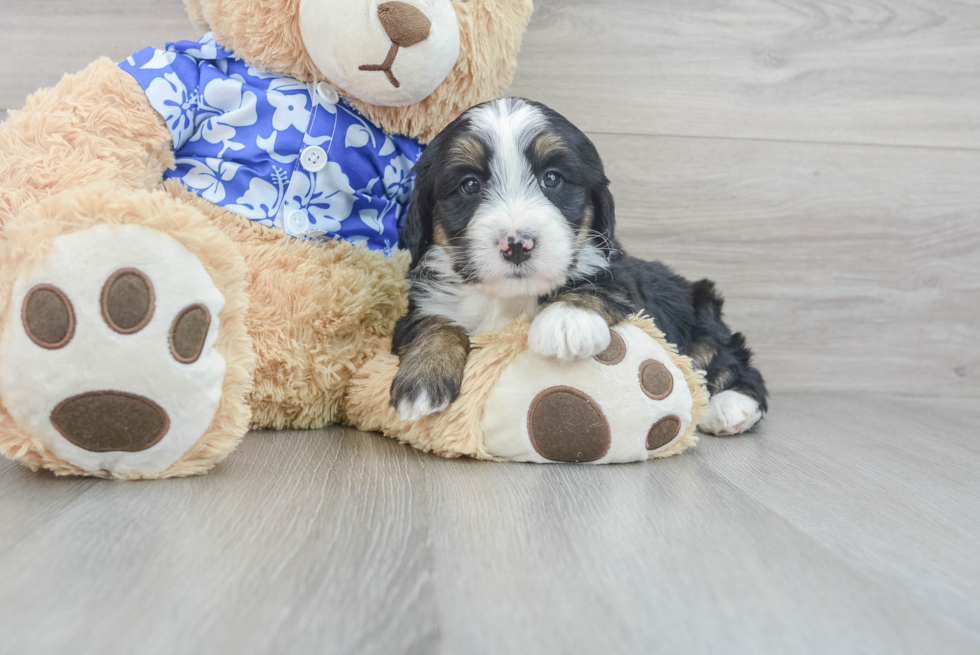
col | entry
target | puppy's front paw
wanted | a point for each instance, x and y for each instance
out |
(730, 413)
(568, 333)
(417, 392)
(412, 409)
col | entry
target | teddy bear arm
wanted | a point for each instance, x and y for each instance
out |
(93, 126)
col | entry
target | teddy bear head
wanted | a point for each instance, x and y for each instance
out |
(411, 66)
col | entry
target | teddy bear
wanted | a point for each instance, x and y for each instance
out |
(203, 239)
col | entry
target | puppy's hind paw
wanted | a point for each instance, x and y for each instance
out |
(568, 333)
(730, 413)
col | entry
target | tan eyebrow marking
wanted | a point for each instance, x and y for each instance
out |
(548, 144)
(469, 151)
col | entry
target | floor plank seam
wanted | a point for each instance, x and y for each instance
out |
(854, 144)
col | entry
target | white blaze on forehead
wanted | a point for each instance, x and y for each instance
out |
(514, 204)
(509, 126)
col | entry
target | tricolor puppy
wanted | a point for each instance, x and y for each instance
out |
(511, 214)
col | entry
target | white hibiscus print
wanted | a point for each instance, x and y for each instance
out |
(207, 177)
(208, 48)
(327, 196)
(160, 59)
(170, 98)
(261, 201)
(259, 73)
(398, 179)
(226, 108)
(359, 134)
(372, 219)
(269, 145)
(291, 111)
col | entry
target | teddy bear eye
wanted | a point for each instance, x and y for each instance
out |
(470, 186)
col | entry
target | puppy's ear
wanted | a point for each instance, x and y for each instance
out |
(604, 207)
(416, 229)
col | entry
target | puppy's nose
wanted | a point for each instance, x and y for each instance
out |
(405, 25)
(516, 249)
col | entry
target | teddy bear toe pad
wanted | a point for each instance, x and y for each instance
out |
(626, 404)
(107, 356)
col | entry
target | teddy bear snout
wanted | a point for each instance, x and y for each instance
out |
(405, 25)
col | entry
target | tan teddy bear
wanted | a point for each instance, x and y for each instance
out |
(203, 239)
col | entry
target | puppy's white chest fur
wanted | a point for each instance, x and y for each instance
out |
(474, 310)
(468, 305)
(472, 306)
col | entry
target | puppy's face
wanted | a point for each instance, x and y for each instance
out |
(513, 198)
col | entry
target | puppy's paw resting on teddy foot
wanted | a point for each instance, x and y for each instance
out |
(729, 413)
(568, 333)
(114, 359)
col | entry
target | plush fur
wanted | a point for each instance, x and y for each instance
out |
(316, 312)
(95, 125)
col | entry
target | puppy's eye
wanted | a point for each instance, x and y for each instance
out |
(470, 186)
(551, 180)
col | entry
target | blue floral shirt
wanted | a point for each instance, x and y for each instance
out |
(285, 153)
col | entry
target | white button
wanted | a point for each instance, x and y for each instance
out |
(314, 159)
(297, 222)
(328, 93)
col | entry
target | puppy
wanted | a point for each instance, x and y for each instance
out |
(511, 214)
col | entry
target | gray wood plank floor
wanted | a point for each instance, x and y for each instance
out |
(820, 160)
(844, 525)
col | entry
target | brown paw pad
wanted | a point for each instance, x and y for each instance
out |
(566, 425)
(615, 353)
(655, 380)
(128, 301)
(111, 421)
(189, 332)
(48, 317)
(663, 432)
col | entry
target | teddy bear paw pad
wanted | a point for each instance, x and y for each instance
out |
(625, 404)
(107, 354)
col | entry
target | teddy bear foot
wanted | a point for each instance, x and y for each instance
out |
(634, 401)
(112, 363)
(108, 361)
(629, 403)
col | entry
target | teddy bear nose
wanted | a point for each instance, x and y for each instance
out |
(406, 25)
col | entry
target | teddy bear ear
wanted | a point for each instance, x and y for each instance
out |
(196, 13)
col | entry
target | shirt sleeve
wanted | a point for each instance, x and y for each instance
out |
(171, 81)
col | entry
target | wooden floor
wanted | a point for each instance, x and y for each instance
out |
(843, 526)
(821, 161)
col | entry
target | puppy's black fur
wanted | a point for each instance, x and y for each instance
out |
(689, 314)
